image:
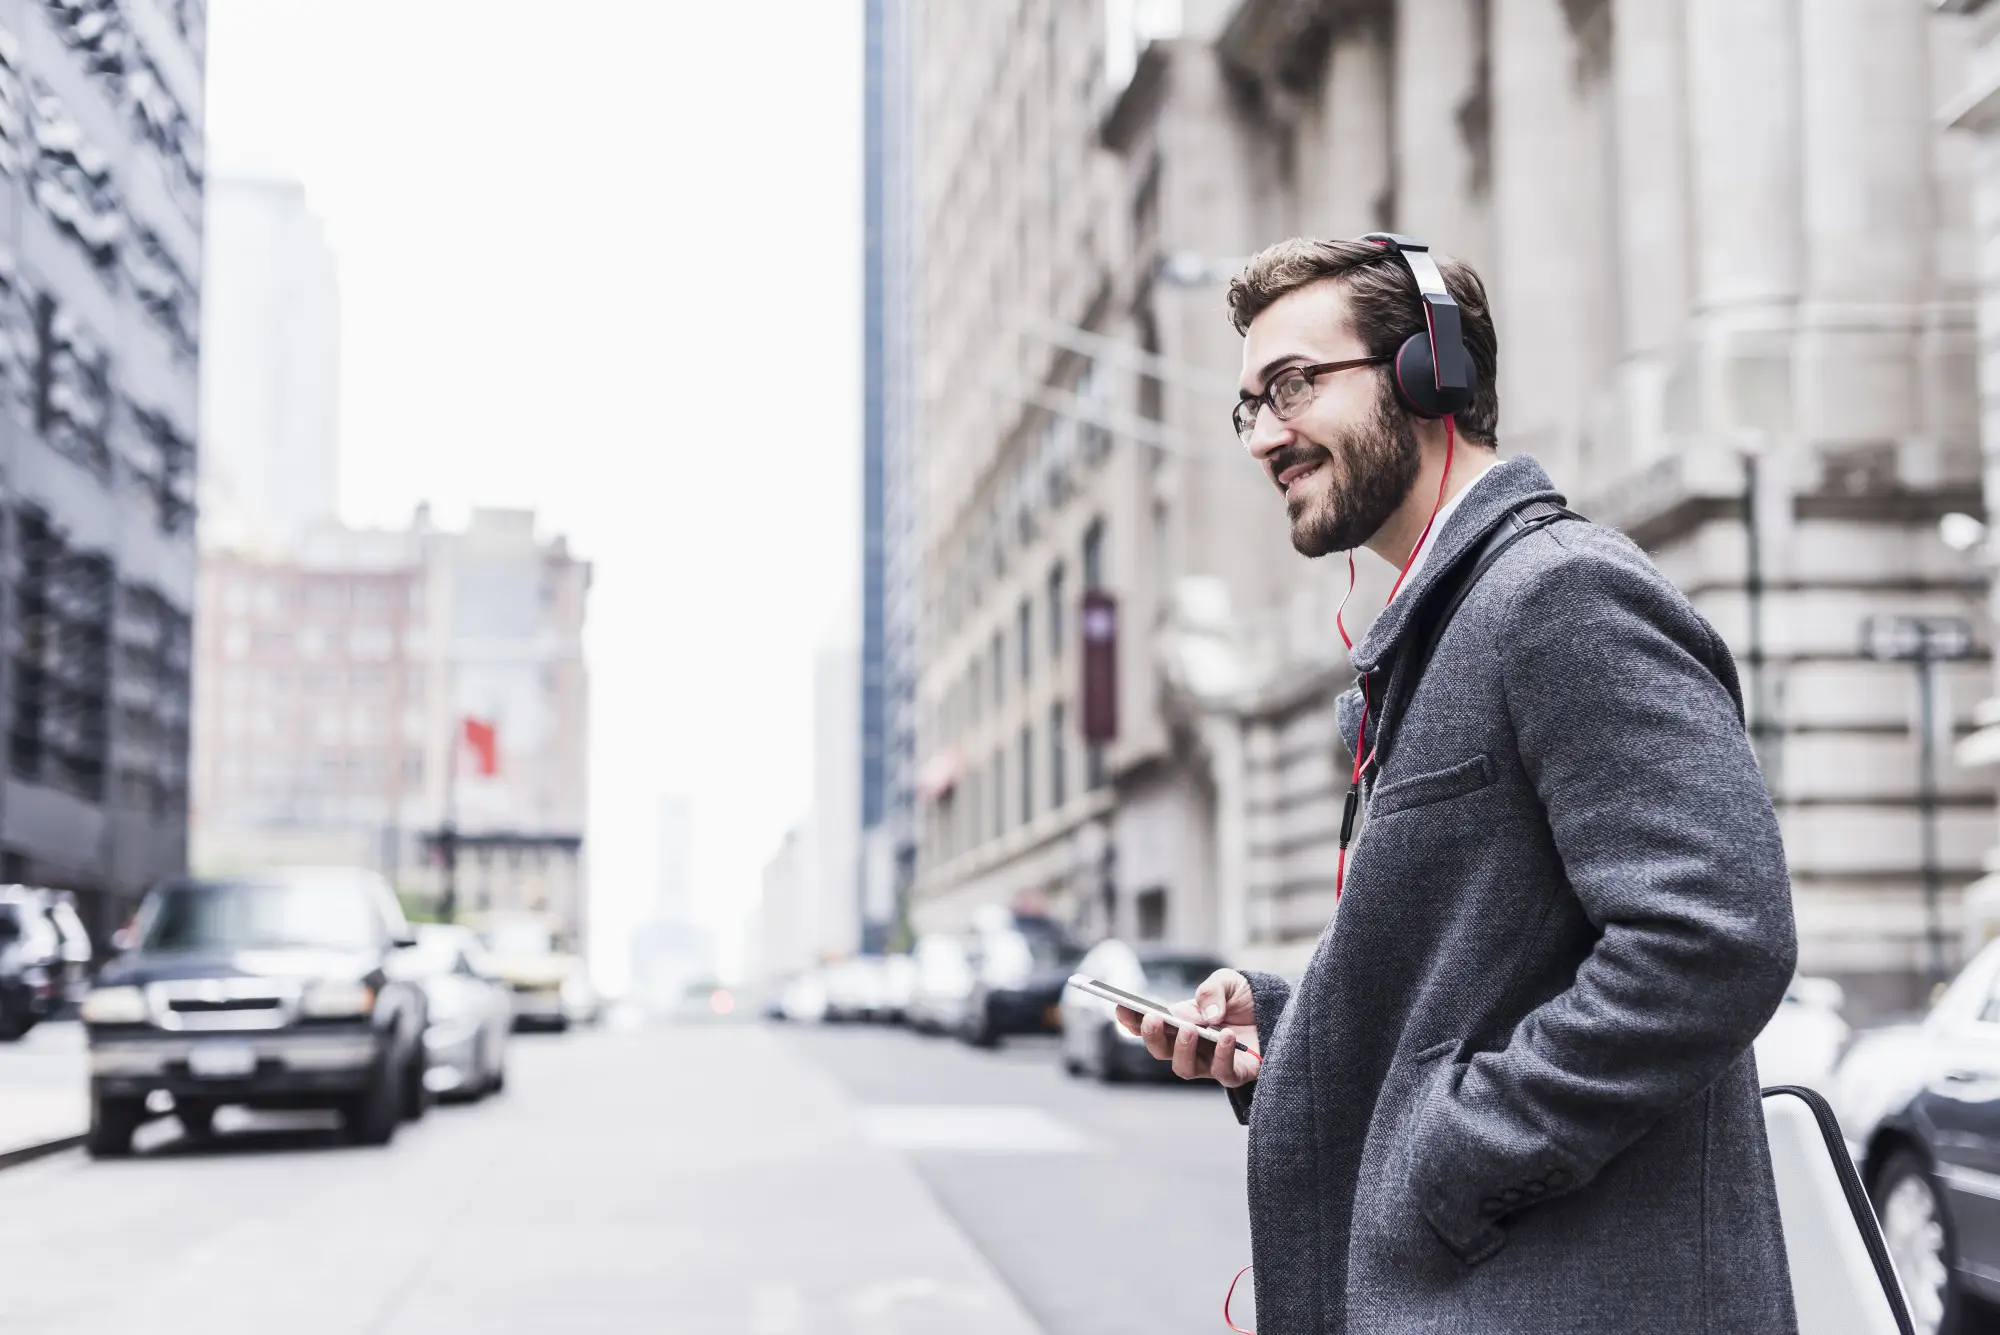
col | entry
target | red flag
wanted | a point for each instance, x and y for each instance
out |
(484, 739)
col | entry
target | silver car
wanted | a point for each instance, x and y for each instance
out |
(471, 1013)
(1092, 1041)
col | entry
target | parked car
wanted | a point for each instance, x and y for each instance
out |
(856, 989)
(44, 957)
(281, 990)
(1802, 1041)
(541, 965)
(1020, 965)
(899, 986)
(471, 1012)
(1092, 1041)
(804, 998)
(1920, 1106)
(943, 983)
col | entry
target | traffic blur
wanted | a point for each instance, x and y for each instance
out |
(285, 990)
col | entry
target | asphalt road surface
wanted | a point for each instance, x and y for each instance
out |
(707, 1178)
(1110, 1210)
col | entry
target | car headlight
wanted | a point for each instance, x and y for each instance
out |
(114, 1005)
(333, 1000)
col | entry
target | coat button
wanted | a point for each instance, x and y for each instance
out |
(1513, 1196)
(1558, 1178)
(1492, 1206)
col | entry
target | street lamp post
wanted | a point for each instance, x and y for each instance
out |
(1923, 642)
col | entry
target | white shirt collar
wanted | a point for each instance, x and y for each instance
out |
(1437, 526)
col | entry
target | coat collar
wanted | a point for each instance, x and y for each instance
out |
(1506, 487)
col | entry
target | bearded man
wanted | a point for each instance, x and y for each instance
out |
(1512, 1093)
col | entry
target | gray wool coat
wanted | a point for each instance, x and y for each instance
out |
(1512, 1093)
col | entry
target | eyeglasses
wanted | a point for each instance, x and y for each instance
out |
(1289, 393)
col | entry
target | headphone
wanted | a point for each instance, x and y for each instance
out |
(1434, 372)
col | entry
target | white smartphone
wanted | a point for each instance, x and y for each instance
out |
(1118, 996)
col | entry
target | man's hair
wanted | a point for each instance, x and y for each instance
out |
(1384, 304)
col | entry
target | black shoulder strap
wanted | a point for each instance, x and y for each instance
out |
(1449, 594)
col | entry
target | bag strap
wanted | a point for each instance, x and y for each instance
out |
(1452, 590)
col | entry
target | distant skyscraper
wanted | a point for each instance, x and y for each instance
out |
(891, 597)
(270, 387)
(675, 903)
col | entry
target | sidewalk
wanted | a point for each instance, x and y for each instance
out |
(44, 1095)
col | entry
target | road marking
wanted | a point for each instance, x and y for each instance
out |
(970, 1128)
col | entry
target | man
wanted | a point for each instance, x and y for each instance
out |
(1513, 1090)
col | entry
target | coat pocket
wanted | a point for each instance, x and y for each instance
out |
(1422, 790)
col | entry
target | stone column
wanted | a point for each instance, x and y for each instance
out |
(1869, 226)
(1743, 103)
(1650, 96)
(1439, 49)
(1355, 133)
(1550, 284)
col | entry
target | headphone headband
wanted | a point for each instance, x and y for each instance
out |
(1434, 373)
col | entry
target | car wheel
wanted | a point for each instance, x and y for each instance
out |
(1072, 1064)
(371, 1117)
(197, 1118)
(416, 1094)
(14, 1024)
(1920, 1242)
(112, 1122)
(1110, 1061)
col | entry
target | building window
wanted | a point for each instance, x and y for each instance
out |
(975, 810)
(1150, 907)
(999, 793)
(1024, 633)
(1056, 612)
(999, 667)
(1058, 759)
(1093, 555)
(1027, 774)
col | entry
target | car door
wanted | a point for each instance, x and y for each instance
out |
(1958, 1112)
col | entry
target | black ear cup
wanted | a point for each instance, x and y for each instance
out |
(1416, 381)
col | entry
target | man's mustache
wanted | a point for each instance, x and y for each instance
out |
(1294, 455)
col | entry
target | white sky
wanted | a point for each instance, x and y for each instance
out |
(602, 259)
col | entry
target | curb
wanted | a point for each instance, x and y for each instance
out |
(40, 1149)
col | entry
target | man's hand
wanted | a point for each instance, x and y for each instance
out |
(1223, 1002)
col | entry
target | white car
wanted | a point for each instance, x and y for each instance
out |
(471, 1013)
(943, 987)
(1092, 1041)
(1803, 1040)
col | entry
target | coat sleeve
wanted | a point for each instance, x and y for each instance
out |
(1626, 715)
(1268, 994)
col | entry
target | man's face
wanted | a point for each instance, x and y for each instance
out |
(1347, 460)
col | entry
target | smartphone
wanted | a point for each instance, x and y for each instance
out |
(1118, 996)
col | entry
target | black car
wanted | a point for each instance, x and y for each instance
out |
(1920, 1104)
(1020, 966)
(44, 957)
(284, 990)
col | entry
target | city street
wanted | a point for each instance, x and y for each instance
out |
(706, 1177)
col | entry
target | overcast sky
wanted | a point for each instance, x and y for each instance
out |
(602, 259)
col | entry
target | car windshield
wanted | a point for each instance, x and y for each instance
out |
(1178, 976)
(250, 915)
(519, 938)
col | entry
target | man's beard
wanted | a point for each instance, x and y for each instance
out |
(1372, 469)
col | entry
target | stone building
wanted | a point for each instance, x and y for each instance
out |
(1726, 240)
(334, 681)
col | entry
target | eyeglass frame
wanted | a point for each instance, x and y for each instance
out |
(1244, 430)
